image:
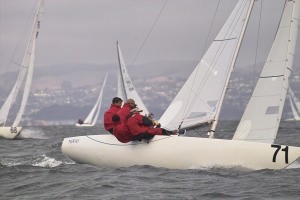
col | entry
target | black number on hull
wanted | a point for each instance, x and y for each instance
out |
(278, 147)
(13, 129)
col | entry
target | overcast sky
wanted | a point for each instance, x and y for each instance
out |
(85, 31)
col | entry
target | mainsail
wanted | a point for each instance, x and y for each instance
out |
(125, 85)
(201, 96)
(261, 118)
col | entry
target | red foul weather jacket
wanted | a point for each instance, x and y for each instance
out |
(121, 132)
(124, 112)
(108, 123)
(136, 126)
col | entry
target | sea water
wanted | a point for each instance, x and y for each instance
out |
(35, 168)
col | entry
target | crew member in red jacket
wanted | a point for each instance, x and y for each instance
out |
(141, 127)
(113, 110)
(121, 131)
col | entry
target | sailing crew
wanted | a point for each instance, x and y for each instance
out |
(108, 115)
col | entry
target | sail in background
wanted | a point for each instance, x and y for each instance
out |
(25, 74)
(198, 100)
(125, 84)
(92, 117)
(261, 118)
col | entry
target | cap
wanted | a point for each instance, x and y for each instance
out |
(116, 100)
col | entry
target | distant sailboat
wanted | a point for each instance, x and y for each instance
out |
(295, 104)
(126, 89)
(23, 80)
(199, 100)
(92, 117)
(252, 146)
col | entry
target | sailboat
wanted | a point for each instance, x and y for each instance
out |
(92, 117)
(252, 146)
(23, 81)
(295, 104)
(199, 101)
(126, 89)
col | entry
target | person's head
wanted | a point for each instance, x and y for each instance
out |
(117, 101)
(131, 103)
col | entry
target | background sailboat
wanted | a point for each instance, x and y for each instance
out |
(252, 145)
(126, 89)
(200, 99)
(23, 81)
(92, 117)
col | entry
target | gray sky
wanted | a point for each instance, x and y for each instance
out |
(85, 31)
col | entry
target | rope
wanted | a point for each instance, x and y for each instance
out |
(149, 33)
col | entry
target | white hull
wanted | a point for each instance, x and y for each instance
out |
(177, 152)
(10, 132)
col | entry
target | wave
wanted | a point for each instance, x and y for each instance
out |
(43, 161)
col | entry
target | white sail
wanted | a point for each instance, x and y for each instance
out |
(128, 88)
(92, 117)
(198, 100)
(26, 70)
(295, 104)
(27, 84)
(261, 118)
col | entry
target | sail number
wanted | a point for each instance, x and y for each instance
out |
(285, 150)
(13, 129)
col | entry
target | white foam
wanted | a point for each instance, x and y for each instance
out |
(32, 133)
(46, 161)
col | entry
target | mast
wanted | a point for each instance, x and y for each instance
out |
(217, 116)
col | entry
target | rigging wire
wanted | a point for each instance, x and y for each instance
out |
(150, 31)
(205, 47)
(257, 40)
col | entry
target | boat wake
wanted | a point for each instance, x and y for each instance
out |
(32, 133)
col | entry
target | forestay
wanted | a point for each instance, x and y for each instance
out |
(198, 100)
(261, 118)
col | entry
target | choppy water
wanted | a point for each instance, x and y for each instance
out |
(34, 168)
